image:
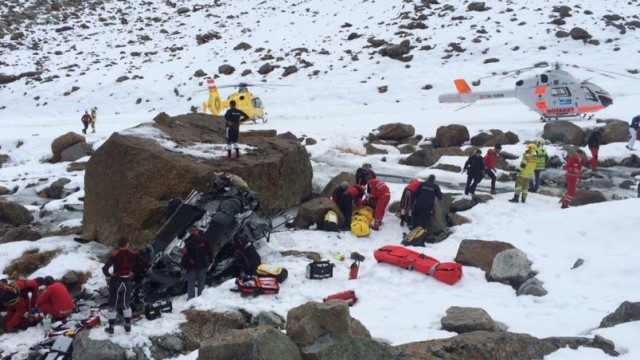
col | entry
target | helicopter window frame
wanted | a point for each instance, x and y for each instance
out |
(561, 91)
(588, 94)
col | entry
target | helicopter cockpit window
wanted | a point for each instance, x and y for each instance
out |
(560, 91)
(588, 94)
(544, 78)
(257, 103)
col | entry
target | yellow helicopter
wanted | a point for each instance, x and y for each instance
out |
(245, 101)
(553, 94)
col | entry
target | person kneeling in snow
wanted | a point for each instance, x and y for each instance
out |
(346, 197)
(55, 300)
(426, 195)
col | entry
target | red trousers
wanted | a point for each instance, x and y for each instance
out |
(56, 314)
(15, 313)
(572, 186)
(380, 205)
(594, 158)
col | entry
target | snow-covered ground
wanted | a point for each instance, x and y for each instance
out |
(338, 107)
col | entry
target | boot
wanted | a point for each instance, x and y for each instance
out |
(109, 329)
(237, 153)
(515, 199)
(523, 199)
(127, 325)
(229, 154)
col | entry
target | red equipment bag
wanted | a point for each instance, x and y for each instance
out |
(349, 296)
(257, 285)
(448, 272)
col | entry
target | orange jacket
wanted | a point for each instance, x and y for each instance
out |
(378, 188)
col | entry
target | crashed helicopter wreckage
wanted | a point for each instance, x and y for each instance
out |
(226, 216)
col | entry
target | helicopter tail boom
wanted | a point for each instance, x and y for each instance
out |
(465, 95)
(214, 104)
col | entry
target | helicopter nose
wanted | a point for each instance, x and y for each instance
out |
(605, 100)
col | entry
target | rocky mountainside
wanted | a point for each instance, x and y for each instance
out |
(155, 53)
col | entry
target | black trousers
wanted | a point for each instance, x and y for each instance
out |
(120, 289)
(472, 182)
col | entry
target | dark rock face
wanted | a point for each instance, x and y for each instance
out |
(564, 132)
(262, 343)
(19, 233)
(626, 312)
(14, 214)
(125, 196)
(451, 135)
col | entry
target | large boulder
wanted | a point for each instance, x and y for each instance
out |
(480, 253)
(313, 212)
(451, 135)
(464, 319)
(318, 326)
(202, 325)
(86, 348)
(59, 144)
(564, 132)
(336, 181)
(18, 233)
(511, 267)
(614, 131)
(125, 196)
(626, 312)
(490, 138)
(395, 131)
(13, 213)
(261, 343)
(423, 157)
(585, 197)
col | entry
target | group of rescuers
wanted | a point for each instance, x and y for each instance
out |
(419, 196)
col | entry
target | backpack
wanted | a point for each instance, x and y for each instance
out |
(415, 237)
(9, 294)
(277, 272)
(257, 285)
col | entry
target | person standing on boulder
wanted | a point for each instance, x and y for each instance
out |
(490, 165)
(594, 147)
(426, 195)
(573, 167)
(86, 120)
(124, 262)
(474, 166)
(234, 117)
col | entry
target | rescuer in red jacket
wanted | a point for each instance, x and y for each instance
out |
(573, 166)
(29, 290)
(14, 304)
(55, 300)
(379, 197)
(490, 165)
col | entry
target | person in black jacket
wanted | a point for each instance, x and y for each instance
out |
(196, 258)
(425, 197)
(475, 172)
(594, 145)
(234, 117)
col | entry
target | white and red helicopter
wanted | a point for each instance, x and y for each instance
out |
(553, 94)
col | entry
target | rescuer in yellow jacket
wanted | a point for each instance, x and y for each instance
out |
(525, 173)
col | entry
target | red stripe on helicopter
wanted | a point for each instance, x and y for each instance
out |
(590, 108)
(211, 84)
